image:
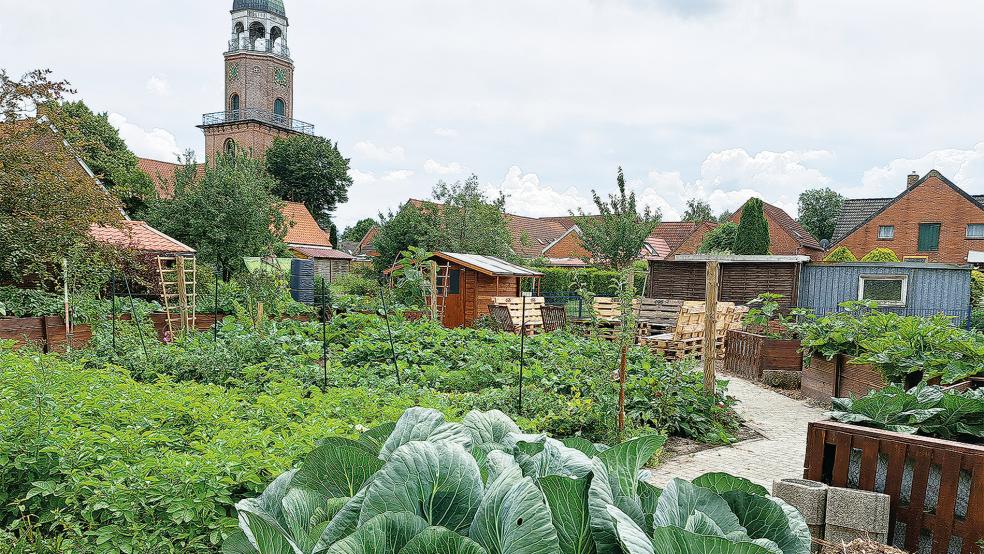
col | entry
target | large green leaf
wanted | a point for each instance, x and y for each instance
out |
(674, 540)
(438, 540)
(337, 470)
(764, 518)
(266, 534)
(682, 500)
(344, 522)
(626, 459)
(514, 518)
(489, 427)
(631, 537)
(438, 481)
(649, 496)
(600, 497)
(387, 533)
(306, 514)
(723, 482)
(557, 459)
(568, 502)
(237, 543)
(616, 482)
(374, 438)
(423, 424)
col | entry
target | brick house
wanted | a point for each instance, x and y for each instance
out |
(932, 220)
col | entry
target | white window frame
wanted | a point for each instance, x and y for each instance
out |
(891, 236)
(978, 225)
(886, 303)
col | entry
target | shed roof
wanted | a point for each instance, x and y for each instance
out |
(140, 236)
(321, 252)
(488, 265)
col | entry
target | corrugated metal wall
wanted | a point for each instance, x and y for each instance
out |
(931, 288)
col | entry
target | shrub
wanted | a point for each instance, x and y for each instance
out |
(482, 487)
(840, 254)
(752, 237)
(720, 240)
(354, 284)
(976, 288)
(885, 255)
(599, 282)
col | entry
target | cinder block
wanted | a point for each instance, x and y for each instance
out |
(835, 534)
(809, 497)
(864, 511)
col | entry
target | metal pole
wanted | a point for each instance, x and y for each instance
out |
(113, 302)
(215, 307)
(522, 351)
(68, 315)
(133, 314)
(389, 330)
(324, 334)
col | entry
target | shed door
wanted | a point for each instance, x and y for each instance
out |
(454, 306)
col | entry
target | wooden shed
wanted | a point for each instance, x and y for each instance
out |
(473, 281)
(742, 278)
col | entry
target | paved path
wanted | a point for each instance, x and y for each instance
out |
(782, 423)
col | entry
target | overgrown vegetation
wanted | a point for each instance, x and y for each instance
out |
(839, 255)
(720, 240)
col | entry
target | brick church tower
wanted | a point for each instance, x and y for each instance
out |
(259, 83)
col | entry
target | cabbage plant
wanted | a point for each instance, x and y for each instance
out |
(482, 486)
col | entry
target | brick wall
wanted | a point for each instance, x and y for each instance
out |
(256, 81)
(251, 136)
(570, 246)
(933, 201)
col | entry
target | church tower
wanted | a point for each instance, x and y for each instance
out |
(259, 83)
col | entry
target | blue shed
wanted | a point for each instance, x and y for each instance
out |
(908, 288)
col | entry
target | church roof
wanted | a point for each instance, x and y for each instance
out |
(275, 7)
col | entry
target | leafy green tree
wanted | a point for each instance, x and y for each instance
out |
(819, 210)
(882, 255)
(47, 201)
(398, 231)
(840, 254)
(228, 213)
(720, 240)
(725, 216)
(698, 211)
(312, 171)
(753, 230)
(618, 235)
(98, 143)
(358, 231)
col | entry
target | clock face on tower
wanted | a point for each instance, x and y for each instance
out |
(233, 71)
(280, 76)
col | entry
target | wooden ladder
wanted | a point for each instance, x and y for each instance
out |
(442, 286)
(179, 291)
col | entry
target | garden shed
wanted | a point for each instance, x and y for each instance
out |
(908, 288)
(742, 278)
(474, 281)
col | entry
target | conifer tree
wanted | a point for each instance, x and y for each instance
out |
(753, 230)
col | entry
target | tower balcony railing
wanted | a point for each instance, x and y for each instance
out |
(256, 114)
(243, 44)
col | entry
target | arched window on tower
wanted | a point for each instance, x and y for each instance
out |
(276, 34)
(234, 106)
(256, 32)
(239, 29)
(280, 111)
(230, 147)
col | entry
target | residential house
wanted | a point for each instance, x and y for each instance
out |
(932, 220)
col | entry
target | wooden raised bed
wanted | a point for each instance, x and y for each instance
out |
(838, 378)
(758, 357)
(936, 486)
(47, 332)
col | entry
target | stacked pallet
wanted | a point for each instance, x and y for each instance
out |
(657, 315)
(608, 316)
(534, 317)
(687, 337)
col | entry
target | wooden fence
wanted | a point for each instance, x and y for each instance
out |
(750, 355)
(936, 486)
(48, 333)
(825, 379)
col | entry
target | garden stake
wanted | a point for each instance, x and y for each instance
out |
(215, 308)
(133, 314)
(324, 335)
(113, 301)
(389, 330)
(621, 390)
(522, 352)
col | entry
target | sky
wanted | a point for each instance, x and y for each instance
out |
(545, 99)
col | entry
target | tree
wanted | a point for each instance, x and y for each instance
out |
(819, 210)
(228, 213)
(840, 254)
(720, 240)
(98, 143)
(725, 216)
(47, 201)
(358, 231)
(698, 211)
(752, 237)
(312, 171)
(398, 232)
(881, 255)
(616, 237)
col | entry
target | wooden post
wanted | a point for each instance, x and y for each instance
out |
(433, 290)
(710, 324)
(179, 269)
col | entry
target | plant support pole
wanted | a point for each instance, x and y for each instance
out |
(324, 335)
(710, 324)
(389, 330)
(68, 315)
(113, 302)
(522, 351)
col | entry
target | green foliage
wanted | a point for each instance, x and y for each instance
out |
(725, 216)
(357, 232)
(880, 255)
(616, 236)
(925, 410)
(483, 487)
(600, 282)
(354, 284)
(840, 254)
(720, 240)
(764, 317)
(227, 214)
(31, 302)
(752, 238)
(698, 211)
(310, 170)
(819, 210)
(98, 142)
(976, 288)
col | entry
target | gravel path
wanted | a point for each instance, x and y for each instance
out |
(781, 421)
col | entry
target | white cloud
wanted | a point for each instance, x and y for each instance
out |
(369, 151)
(445, 132)
(525, 195)
(963, 167)
(157, 144)
(437, 168)
(159, 86)
(398, 175)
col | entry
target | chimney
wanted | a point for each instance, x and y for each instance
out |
(911, 180)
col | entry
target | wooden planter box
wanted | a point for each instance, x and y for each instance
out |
(838, 378)
(936, 486)
(48, 332)
(759, 357)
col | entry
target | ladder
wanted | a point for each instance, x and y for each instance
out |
(178, 280)
(442, 286)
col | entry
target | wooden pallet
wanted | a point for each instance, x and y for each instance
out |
(610, 308)
(534, 318)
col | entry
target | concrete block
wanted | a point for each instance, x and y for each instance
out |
(835, 534)
(864, 511)
(809, 497)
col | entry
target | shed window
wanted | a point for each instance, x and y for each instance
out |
(886, 232)
(929, 237)
(454, 281)
(975, 231)
(886, 290)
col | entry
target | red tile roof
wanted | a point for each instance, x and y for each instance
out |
(800, 234)
(139, 236)
(673, 232)
(532, 235)
(162, 174)
(321, 252)
(303, 229)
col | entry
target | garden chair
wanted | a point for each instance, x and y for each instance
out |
(503, 318)
(554, 318)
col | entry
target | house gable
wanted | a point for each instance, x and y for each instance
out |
(568, 245)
